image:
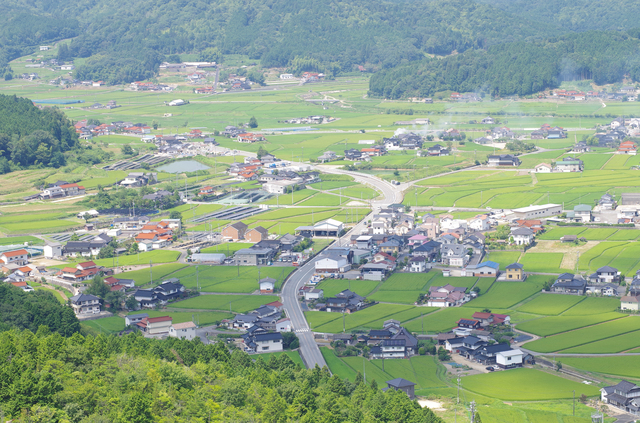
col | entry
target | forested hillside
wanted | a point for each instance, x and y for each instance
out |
(575, 15)
(520, 68)
(31, 136)
(29, 310)
(128, 39)
(130, 379)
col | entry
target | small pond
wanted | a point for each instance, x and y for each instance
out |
(182, 166)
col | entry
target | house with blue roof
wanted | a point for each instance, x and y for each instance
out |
(485, 269)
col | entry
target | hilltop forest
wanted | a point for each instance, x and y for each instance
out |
(33, 136)
(48, 378)
(519, 68)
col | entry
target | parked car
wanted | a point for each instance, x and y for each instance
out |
(490, 368)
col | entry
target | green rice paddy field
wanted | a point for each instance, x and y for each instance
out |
(526, 385)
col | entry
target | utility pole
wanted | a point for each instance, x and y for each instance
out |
(343, 325)
(150, 270)
(197, 280)
(574, 402)
(457, 401)
(473, 411)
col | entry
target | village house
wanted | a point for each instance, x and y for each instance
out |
(568, 283)
(522, 235)
(262, 342)
(186, 330)
(627, 147)
(267, 285)
(256, 234)
(417, 264)
(254, 256)
(606, 274)
(447, 296)
(580, 213)
(85, 304)
(629, 302)
(543, 168)
(514, 272)
(485, 269)
(18, 257)
(625, 396)
(235, 231)
(156, 325)
(503, 160)
(509, 359)
(569, 164)
(344, 302)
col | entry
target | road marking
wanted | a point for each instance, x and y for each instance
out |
(302, 330)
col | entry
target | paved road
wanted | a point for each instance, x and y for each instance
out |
(310, 351)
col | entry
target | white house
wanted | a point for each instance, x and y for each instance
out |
(18, 257)
(85, 304)
(543, 168)
(314, 294)
(186, 330)
(334, 264)
(264, 342)
(509, 359)
(279, 187)
(267, 285)
(417, 264)
(449, 223)
(480, 223)
(52, 250)
(286, 76)
(522, 236)
(283, 325)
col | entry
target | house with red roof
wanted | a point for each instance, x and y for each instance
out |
(206, 190)
(18, 257)
(156, 325)
(627, 147)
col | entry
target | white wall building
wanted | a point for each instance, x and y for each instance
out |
(186, 330)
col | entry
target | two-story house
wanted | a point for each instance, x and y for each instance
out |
(568, 283)
(625, 396)
(605, 274)
(85, 304)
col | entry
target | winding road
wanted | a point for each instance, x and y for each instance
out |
(308, 347)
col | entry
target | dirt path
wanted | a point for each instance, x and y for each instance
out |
(570, 251)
